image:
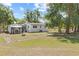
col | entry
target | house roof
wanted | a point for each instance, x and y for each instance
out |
(15, 25)
(35, 23)
(20, 25)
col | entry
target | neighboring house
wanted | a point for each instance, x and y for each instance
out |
(27, 27)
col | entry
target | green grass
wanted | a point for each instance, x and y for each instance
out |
(42, 43)
(2, 39)
(58, 41)
(43, 40)
(56, 44)
(34, 42)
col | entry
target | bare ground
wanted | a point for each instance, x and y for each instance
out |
(38, 51)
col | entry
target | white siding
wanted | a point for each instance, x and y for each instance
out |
(29, 27)
(9, 29)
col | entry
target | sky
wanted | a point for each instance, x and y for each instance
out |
(19, 8)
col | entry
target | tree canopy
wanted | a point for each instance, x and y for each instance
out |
(56, 19)
(6, 16)
(32, 16)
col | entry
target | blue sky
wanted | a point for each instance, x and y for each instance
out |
(19, 8)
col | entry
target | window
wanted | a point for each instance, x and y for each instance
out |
(28, 26)
(34, 26)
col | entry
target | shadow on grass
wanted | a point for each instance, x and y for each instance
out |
(72, 37)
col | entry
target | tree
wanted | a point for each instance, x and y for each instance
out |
(6, 16)
(77, 17)
(28, 16)
(36, 15)
(20, 21)
(54, 16)
(70, 13)
(32, 16)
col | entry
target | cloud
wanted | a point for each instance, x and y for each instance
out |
(11, 8)
(16, 15)
(42, 10)
(21, 8)
(42, 7)
(37, 5)
(7, 4)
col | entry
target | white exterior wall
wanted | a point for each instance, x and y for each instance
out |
(28, 28)
(43, 28)
(34, 29)
(10, 26)
(31, 29)
(9, 29)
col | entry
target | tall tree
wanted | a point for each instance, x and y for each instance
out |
(36, 15)
(32, 16)
(28, 15)
(70, 13)
(6, 16)
(54, 16)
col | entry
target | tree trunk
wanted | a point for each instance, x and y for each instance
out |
(59, 29)
(3, 28)
(68, 22)
(75, 29)
(72, 28)
(67, 29)
(69, 11)
(78, 14)
(78, 28)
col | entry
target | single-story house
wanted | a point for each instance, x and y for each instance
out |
(35, 27)
(27, 27)
(15, 28)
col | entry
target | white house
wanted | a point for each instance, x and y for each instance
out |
(35, 27)
(27, 27)
(15, 28)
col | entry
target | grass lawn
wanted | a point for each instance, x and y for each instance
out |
(41, 44)
(42, 40)
(2, 39)
(38, 43)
